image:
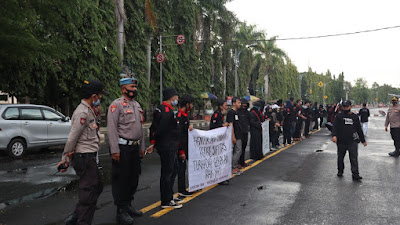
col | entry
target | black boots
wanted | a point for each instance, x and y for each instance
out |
(72, 219)
(396, 153)
(133, 211)
(123, 217)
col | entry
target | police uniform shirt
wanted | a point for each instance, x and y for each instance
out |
(124, 120)
(83, 137)
(393, 117)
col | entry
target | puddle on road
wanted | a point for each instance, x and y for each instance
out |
(38, 195)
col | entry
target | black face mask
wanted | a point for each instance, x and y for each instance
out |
(131, 94)
(394, 103)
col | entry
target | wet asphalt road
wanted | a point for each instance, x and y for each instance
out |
(296, 185)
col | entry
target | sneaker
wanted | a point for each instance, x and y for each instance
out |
(340, 174)
(225, 182)
(394, 154)
(185, 194)
(171, 204)
(237, 172)
(357, 177)
(178, 199)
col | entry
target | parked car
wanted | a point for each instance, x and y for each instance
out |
(27, 126)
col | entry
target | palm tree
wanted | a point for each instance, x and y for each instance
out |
(270, 54)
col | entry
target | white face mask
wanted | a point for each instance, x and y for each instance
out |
(174, 103)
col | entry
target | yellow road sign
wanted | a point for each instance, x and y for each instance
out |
(325, 97)
(320, 84)
(310, 91)
(376, 99)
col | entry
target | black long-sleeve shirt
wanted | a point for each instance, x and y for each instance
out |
(345, 127)
(166, 133)
(364, 114)
(244, 120)
(217, 120)
(183, 123)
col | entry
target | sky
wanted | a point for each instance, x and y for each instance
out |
(373, 56)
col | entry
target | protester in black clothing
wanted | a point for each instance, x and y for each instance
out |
(274, 127)
(364, 114)
(217, 119)
(186, 103)
(347, 134)
(255, 132)
(299, 121)
(308, 116)
(244, 119)
(315, 116)
(165, 138)
(233, 119)
(322, 115)
(287, 123)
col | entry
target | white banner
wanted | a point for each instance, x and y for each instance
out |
(265, 137)
(210, 157)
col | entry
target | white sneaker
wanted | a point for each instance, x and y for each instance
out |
(171, 204)
(178, 200)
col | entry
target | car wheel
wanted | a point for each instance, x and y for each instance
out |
(17, 148)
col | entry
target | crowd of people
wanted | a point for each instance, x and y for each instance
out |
(169, 135)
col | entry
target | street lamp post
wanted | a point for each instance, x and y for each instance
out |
(237, 62)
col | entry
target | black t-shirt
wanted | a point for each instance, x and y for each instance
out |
(217, 120)
(233, 117)
(346, 127)
(364, 114)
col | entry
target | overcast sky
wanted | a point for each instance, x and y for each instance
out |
(374, 56)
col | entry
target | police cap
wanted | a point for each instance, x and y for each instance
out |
(90, 87)
(129, 80)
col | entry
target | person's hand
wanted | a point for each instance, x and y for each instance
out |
(190, 127)
(63, 170)
(365, 144)
(142, 153)
(386, 129)
(225, 124)
(234, 140)
(115, 157)
(334, 139)
(150, 149)
(182, 156)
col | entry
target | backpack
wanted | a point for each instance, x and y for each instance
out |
(155, 123)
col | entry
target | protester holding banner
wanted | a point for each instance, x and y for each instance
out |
(186, 103)
(255, 132)
(217, 119)
(233, 119)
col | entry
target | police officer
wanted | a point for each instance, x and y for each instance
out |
(346, 134)
(81, 150)
(393, 118)
(164, 135)
(126, 139)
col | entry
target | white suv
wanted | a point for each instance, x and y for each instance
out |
(24, 126)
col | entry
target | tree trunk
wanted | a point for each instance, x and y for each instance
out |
(224, 77)
(266, 80)
(149, 66)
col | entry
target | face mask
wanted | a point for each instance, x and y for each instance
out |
(394, 103)
(305, 106)
(131, 94)
(96, 103)
(174, 103)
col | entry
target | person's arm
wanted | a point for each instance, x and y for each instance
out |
(335, 128)
(387, 121)
(359, 131)
(78, 124)
(112, 125)
(229, 119)
(368, 112)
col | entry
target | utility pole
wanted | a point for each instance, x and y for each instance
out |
(236, 67)
(300, 78)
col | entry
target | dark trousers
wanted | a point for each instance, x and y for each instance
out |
(307, 127)
(353, 156)
(287, 137)
(297, 131)
(315, 124)
(181, 175)
(321, 121)
(275, 138)
(395, 132)
(125, 175)
(245, 138)
(168, 174)
(90, 186)
(293, 128)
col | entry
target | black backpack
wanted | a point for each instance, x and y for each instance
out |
(155, 123)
